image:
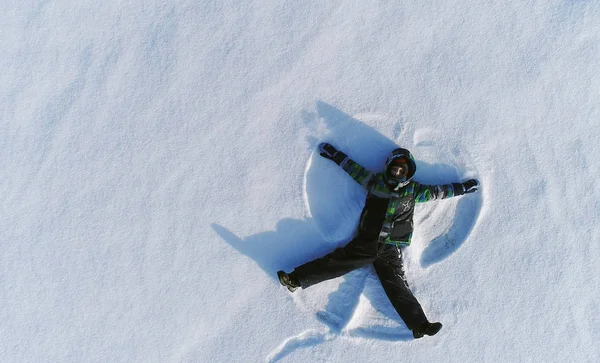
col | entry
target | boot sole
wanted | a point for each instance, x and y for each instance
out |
(282, 280)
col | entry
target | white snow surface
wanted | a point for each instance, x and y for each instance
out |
(158, 166)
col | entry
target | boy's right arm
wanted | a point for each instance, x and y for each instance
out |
(361, 175)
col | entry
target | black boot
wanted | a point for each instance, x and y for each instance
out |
(288, 281)
(426, 329)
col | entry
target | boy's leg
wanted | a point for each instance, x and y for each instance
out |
(358, 253)
(391, 274)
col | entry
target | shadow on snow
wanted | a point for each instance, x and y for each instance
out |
(465, 218)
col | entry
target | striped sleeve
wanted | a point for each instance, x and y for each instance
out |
(361, 175)
(425, 193)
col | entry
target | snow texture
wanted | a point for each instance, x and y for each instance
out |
(158, 166)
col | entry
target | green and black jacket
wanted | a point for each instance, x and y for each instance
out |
(388, 213)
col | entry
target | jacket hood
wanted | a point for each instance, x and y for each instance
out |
(412, 168)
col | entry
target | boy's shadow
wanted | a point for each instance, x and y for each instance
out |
(335, 199)
(292, 243)
(466, 214)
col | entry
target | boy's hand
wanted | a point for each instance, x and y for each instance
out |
(471, 186)
(329, 152)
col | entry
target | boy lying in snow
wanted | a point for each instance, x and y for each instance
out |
(386, 225)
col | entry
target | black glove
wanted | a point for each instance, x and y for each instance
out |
(471, 186)
(328, 151)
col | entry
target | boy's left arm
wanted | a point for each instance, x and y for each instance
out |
(425, 193)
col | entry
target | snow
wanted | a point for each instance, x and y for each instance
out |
(158, 167)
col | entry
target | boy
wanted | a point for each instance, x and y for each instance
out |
(386, 225)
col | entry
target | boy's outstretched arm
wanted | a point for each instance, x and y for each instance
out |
(426, 193)
(361, 175)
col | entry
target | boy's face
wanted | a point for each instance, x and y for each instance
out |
(399, 171)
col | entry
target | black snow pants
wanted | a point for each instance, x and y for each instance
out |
(361, 251)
